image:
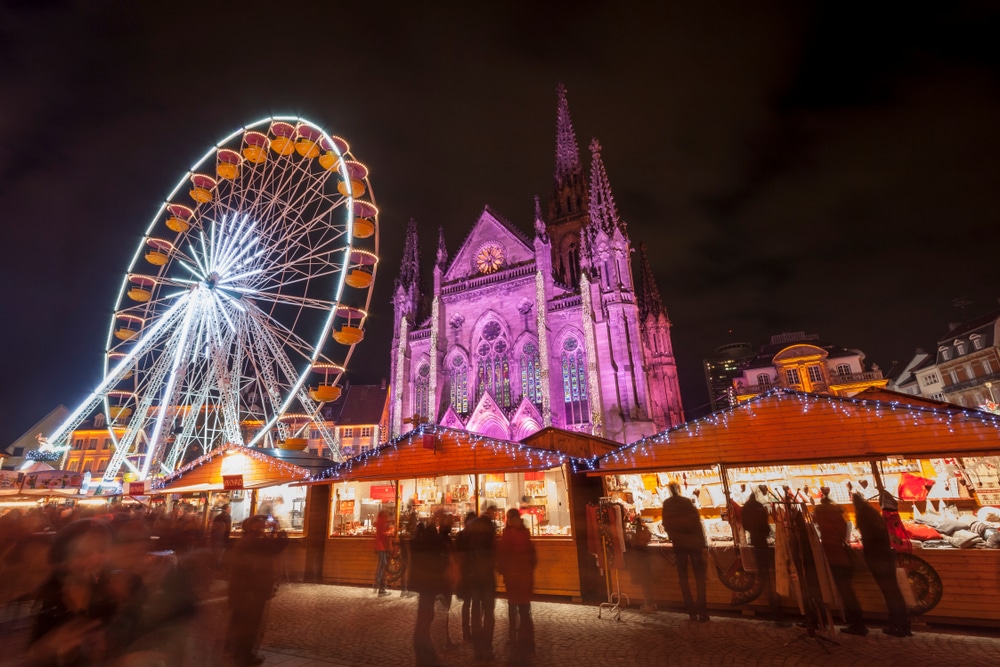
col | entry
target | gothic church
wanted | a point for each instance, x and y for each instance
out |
(529, 332)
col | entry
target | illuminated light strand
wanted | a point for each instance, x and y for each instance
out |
(256, 454)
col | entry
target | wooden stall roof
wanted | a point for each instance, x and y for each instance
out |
(785, 426)
(578, 445)
(259, 469)
(435, 450)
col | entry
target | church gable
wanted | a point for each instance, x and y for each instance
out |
(451, 419)
(492, 245)
(526, 420)
(488, 419)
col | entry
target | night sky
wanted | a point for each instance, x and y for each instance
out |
(831, 168)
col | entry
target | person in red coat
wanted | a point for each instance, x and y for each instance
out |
(516, 561)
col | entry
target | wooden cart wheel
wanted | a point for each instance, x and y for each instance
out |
(924, 580)
(751, 594)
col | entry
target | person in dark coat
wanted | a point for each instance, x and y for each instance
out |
(479, 564)
(428, 577)
(756, 521)
(222, 526)
(829, 517)
(252, 582)
(383, 542)
(682, 522)
(516, 561)
(881, 561)
(461, 551)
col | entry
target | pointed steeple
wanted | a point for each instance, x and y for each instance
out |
(540, 231)
(650, 302)
(409, 270)
(603, 212)
(567, 152)
(569, 188)
(442, 252)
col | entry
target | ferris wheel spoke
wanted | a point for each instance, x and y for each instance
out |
(291, 339)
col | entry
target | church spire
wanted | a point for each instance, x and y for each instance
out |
(442, 252)
(409, 270)
(567, 153)
(650, 302)
(603, 212)
(569, 188)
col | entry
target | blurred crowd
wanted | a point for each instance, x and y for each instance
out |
(108, 587)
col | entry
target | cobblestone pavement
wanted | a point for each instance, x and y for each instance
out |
(337, 626)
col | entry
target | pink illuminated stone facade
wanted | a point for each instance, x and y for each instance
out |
(520, 333)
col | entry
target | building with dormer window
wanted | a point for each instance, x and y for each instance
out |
(803, 362)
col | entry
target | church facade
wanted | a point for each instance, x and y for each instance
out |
(522, 332)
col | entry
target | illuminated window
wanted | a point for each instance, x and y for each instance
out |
(98, 420)
(574, 370)
(493, 365)
(531, 374)
(945, 353)
(87, 465)
(987, 366)
(815, 374)
(78, 444)
(347, 432)
(930, 378)
(92, 444)
(107, 443)
(102, 466)
(960, 347)
(458, 385)
(74, 466)
(422, 391)
(366, 431)
(792, 376)
(764, 381)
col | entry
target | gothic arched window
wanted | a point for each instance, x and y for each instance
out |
(493, 365)
(422, 392)
(459, 386)
(531, 374)
(574, 370)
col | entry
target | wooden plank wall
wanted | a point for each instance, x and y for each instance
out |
(970, 581)
(351, 560)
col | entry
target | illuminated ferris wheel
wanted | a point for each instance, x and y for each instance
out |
(243, 303)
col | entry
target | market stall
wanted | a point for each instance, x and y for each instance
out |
(436, 467)
(938, 462)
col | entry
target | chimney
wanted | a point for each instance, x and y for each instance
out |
(383, 384)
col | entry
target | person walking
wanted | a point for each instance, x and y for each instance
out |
(383, 542)
(683, 525)
(516, 561)
(428, 578)
(464, 579)
(829, 517)
(480, 564)
(251, 584)
(881, 561)
(756, 521)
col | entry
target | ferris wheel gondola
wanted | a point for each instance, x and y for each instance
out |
(255, 276)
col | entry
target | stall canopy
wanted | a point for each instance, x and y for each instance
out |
(577, 445)
(235, 467)
(436, 450)
(785, 426)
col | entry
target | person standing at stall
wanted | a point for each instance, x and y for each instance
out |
(222, 526)
(480, 564)
(382, 544)
(516, 561)
(428, 578)
(464, 578)
(252, 583)
(682, 522)
(829, 517)
(881, 561)
(756, 521)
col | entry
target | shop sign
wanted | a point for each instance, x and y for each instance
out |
(430, 441)
(232, 482)
(10, 480)
(347, 507)
(53, 480)
(136, 488)
(383, 492)
(534, 476)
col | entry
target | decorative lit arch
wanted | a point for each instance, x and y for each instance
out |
(491, 351)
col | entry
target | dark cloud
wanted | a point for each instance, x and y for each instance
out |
(828, 167)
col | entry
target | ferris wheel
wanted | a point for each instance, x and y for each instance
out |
(243, 302)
